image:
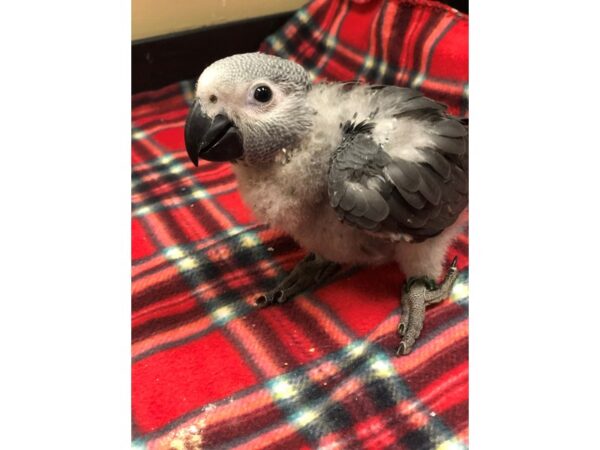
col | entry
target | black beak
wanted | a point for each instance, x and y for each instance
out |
(214, 140)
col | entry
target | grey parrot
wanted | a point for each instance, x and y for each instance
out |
(356, 174)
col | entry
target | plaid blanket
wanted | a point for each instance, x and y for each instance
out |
(209, 369)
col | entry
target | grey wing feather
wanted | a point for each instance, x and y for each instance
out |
(403, 174)
(437, 162)
(414, 199)
(375, 191)
(457, 146)
(430, 187)
(449, 127)
(418, 103)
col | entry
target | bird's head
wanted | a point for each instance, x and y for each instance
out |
(248, 106)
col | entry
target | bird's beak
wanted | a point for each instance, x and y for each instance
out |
(216, 139)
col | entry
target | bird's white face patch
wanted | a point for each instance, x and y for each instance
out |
(216, 93)
(207, 79)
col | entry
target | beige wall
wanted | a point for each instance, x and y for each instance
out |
(156, 17)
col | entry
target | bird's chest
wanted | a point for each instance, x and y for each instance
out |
(285, 196)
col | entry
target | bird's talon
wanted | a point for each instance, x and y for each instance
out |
(271, 298)
(401, 329)
(310, 271)
(280, 297)
(401, 349)
(264, 300)
(406, 349)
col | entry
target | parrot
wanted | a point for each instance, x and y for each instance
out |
(357, 174)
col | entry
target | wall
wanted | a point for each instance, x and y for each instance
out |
(152, 18)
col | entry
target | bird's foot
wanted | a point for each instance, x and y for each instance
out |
(310, 272)
(417, 295)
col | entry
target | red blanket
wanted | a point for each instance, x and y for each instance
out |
(212, 371)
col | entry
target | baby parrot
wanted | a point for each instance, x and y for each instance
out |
(356, 174)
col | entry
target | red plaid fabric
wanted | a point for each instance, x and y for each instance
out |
(209, 370)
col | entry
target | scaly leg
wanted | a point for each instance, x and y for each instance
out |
(418, 294)
(310, 272)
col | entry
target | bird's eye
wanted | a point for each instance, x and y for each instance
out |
(213, 98)
(263, 94)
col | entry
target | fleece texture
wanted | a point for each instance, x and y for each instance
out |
(209, 370)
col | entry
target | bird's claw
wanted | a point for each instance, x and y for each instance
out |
(274, 296)
(401, 329)
(415, 299)
(310, 272)
(453, 267)
(411, 322)
(401, 349)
